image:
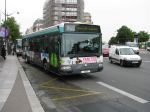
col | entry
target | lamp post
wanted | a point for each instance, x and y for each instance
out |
(5, 26)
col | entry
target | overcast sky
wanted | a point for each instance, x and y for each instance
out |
(109, 14)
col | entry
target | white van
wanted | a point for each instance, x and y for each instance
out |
(124, 55)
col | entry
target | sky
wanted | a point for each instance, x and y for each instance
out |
(109, 14)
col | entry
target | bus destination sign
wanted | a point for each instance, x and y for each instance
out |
(82, 28)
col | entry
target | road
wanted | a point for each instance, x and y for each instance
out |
(115, 89)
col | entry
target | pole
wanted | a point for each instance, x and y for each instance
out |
(5, 39)
(5, 23)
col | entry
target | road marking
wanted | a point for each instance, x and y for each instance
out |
(138, 99)
(146, 61)
(68, 89)
(48, 82)
(74, 97)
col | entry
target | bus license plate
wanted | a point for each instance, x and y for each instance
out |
(86, 71)
(134, 61)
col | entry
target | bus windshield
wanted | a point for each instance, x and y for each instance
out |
(81, 44)
(148, 44)
(18, 43)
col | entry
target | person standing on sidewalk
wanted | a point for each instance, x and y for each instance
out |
(3, 52)
(13, 50)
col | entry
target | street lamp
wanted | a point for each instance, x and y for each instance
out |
(5, 26)
(6, 30)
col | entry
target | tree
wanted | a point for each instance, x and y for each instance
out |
(124, 34)
(143, 36)
(112, 41)
(13, 28)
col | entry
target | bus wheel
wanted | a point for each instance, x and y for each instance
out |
(26, 59)
(45, 66)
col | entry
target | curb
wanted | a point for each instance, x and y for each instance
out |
(33, 100)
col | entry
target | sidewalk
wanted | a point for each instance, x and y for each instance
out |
(16, 93)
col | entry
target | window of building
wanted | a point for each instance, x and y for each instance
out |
(56, 22)
(56, 17)
(70, 9)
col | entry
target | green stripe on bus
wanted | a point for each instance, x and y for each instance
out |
(54, 61)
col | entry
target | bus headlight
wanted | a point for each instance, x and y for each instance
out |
(100, 59)
(100, 65)
(67, 67)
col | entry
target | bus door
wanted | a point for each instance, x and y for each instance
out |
(45, 49)
(54, 52)
(36, 49)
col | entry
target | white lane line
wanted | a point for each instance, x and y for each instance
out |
(138, 99)
(146, 61)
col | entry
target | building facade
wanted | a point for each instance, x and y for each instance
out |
(38, 25)
(29, 30)
(58, 11)
(87, 18)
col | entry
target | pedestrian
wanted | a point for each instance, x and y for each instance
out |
(13, 50)
(3, 52)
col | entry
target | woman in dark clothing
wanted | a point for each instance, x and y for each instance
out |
(3, 52)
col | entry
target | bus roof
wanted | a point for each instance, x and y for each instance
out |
(57, 28)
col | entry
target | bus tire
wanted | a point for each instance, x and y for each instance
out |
(27, 59)
(45, 66)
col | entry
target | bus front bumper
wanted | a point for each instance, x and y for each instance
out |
(81, 68)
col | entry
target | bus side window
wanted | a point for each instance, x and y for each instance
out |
(30, 45)
(35, 44)
(46, 44)
(40, 44)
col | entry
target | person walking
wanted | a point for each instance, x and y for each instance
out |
(3, 52)
(13, 50)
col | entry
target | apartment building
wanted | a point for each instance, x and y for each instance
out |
(58, 11)
(87, 18)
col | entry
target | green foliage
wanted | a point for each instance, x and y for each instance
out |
(124, 34)
(13, 27)
(143, 36)
(112, 41)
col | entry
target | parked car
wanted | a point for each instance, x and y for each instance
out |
(105, 50)
(124, 55)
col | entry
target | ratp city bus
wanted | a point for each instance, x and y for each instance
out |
(18, 47)
(148, 46)
(65, 49)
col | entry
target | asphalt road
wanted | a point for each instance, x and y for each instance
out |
(115, 89)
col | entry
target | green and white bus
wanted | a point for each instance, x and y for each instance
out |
(65, 49)
(148, 45)
(18, 47)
